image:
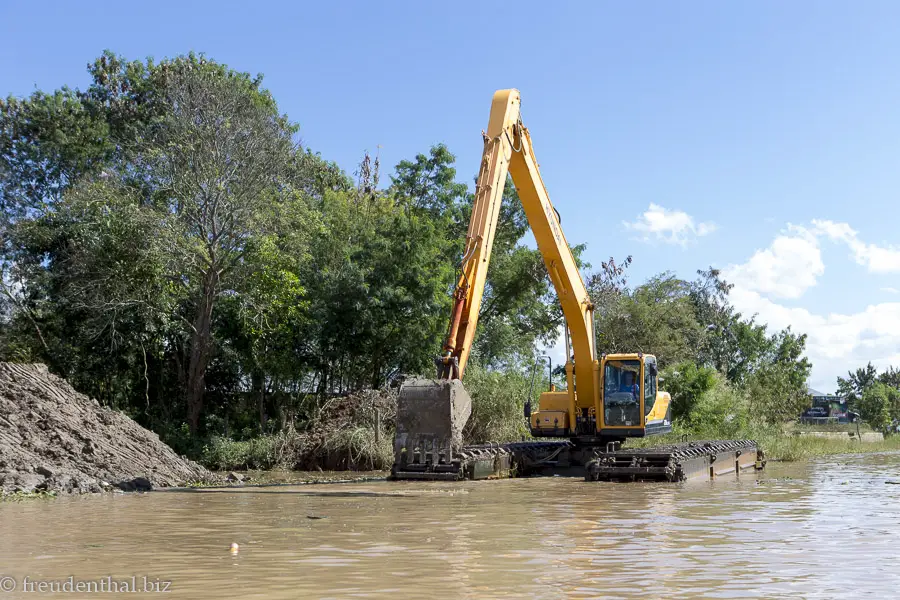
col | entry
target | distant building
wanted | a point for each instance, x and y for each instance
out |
(826, 408)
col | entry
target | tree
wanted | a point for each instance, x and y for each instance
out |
(262, 318)
(857, 382)
(773, 394)
(725, 336)
(218, 161)
(876, 403)
(687, 383)
(429, 183)
(607, 286)
(200, 146)
(47, 142)
(105, 303)
(519, 306)
(656, 317)
(720, 411)
(890, 377)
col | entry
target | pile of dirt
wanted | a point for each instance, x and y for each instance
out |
(54, 439)
(344, 433)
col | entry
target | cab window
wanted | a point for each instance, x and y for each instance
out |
(622, 393)
(649, 386)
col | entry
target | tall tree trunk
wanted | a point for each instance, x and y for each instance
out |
(259, 385)
(201, 340)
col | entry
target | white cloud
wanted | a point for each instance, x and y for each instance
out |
(835, 342)
(669, 226)
(890, 290)
(878, 259)
(785, 269)
(791, 265)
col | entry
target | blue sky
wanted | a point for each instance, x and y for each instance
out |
(762, 139)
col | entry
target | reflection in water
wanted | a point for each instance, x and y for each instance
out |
(823, 530)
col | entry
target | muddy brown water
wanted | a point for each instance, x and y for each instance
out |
(825, 529)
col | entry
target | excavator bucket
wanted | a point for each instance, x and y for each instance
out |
(431, 415)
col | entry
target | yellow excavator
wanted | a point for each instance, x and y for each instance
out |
(607, 399)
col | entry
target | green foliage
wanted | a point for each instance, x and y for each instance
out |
(429, 183)
(876, 397)
(47, 142)
(21, 496)
(857, 382)
(890, 377)
(877, 405)
(361, 448)
(378, 278)
(721, 411)
(355, 446)
(775, 394)
(498, 404)
(226, 454)
(687, 383)
(656, 317)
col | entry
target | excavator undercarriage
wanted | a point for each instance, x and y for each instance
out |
(675, 462)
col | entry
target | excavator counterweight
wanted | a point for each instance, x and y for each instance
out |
(607, 399)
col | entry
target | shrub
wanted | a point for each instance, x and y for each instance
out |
(721, 411)
(357, 448)
(774, 396)
(270, 451)
(498, 404)
(875, 405)
(687, 382)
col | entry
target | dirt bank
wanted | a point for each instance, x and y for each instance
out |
(54, 439)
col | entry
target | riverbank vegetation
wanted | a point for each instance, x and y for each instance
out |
(710, 406)
(172, 249)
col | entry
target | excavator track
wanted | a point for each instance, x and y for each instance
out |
(675, 462)
(483, 461)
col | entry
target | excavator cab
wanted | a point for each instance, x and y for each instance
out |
(631, 404)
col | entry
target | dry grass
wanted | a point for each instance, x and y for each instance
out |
(353, 432)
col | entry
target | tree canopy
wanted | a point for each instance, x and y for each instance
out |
(172, 248)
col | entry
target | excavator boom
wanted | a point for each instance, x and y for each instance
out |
(507, 150)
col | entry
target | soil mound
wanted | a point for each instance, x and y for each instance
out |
(53, 438)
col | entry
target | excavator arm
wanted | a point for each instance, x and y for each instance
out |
(508, 149)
